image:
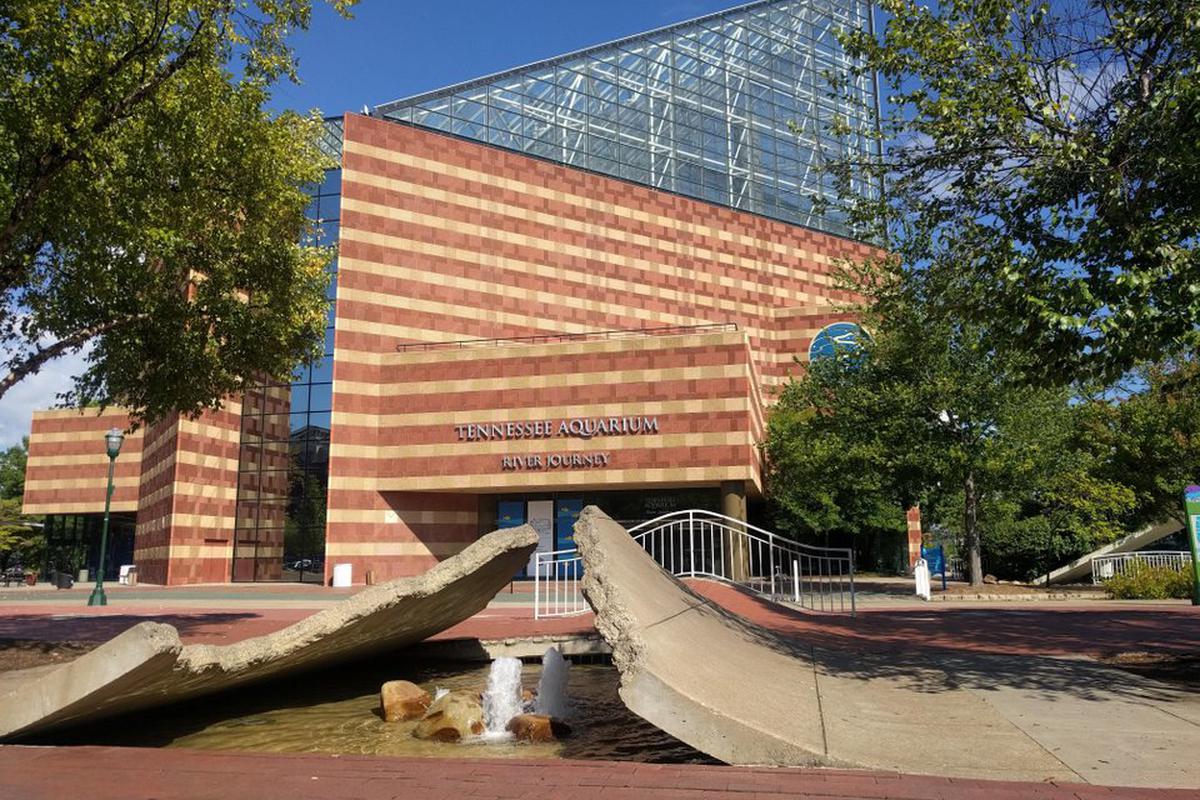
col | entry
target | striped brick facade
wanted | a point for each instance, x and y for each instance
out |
(67, 471)
(444, 240)
(179, 475)
(187, 510)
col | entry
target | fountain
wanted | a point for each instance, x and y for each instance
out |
(502, 700)
(552, 686)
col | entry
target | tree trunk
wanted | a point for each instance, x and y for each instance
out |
(970, 531)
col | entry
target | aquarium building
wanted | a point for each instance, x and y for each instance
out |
(578, 281)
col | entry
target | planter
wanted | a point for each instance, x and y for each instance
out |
(31, 579)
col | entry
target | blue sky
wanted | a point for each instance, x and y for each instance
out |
(392, 49)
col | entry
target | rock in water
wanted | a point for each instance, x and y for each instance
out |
(403, 700)
(452, 718)
(537, 728)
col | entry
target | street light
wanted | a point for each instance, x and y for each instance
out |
(112, 441)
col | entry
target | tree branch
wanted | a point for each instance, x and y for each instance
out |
(22, 368)
(56, 158)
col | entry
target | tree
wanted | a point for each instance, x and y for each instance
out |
(12, 470)
(20, 539)
(1150, 439)
(835, 467)
(1048, 499)
(1041, 162)
(928, 412)
(151, 208)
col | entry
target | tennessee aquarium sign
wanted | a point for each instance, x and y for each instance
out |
(570, 428)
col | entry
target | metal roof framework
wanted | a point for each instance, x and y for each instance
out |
(736, 108)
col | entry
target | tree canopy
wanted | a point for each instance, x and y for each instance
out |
(12, 469)
(928, 412)
(151, 207)
(1041, 162)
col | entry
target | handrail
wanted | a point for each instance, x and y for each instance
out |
(771, 538)
(553, 338)
(1111, 564)
(695, 543)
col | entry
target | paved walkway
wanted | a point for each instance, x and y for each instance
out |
(107, 773)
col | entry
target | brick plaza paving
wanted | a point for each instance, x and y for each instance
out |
(221, 615)
(109, 773)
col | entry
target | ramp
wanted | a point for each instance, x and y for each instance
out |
(1081, 568)
(147, 665)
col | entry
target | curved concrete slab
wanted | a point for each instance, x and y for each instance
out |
(147, 665)
(745, 695)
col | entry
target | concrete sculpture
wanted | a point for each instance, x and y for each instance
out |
(148, 665)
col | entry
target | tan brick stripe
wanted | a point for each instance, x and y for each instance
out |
(627, 479)
(422, 517)
(183, 552)
(38, 507)
(85, 482)
(407, 387)
(362, 549)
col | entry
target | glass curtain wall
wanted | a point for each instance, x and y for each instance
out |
(734, 108)
(283, 475)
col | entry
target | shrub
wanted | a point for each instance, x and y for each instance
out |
(1143, 582)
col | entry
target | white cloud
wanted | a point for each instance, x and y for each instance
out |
(35, 392)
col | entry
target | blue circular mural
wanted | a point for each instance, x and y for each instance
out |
(840, 337)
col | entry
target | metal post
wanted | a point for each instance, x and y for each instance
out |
(537, 568)
(771, 566)
(853, 610)
(796, 579)
(97, 597)
(692, 548)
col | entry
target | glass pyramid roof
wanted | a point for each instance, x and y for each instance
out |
(733, 108)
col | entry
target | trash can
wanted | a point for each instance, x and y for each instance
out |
(342, 575)
(83, 576)
(63, 580)
(131, 577)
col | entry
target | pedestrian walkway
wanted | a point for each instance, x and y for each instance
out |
(109, 773)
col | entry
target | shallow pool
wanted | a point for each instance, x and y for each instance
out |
(337, 711)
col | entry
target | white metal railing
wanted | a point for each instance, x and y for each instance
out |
(556, 575)
(705, 544)
(1105, 567)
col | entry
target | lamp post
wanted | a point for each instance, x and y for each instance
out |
(112, 441)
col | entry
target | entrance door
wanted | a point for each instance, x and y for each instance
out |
(541, 516)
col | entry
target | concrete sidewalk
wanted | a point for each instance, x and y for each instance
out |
(107, 773)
